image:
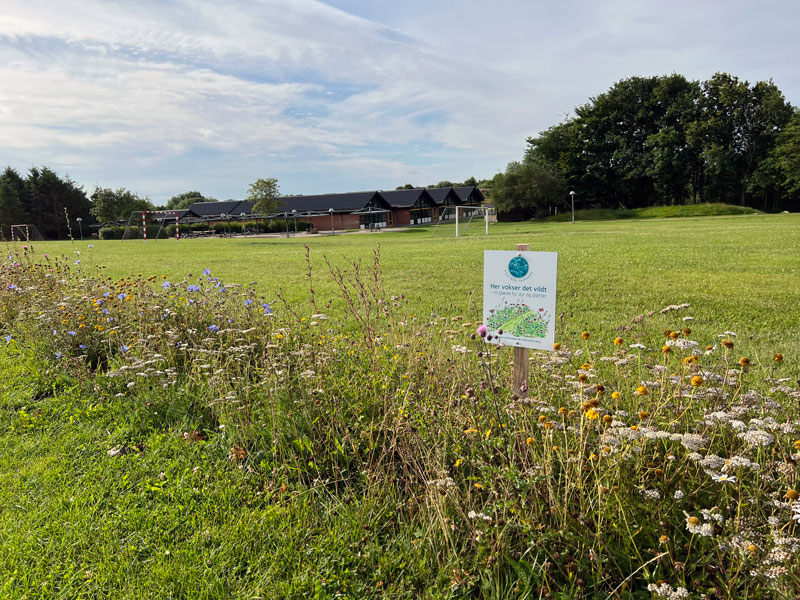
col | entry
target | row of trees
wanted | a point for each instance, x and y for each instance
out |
(664, 140)
(42, 198)
(54, 204)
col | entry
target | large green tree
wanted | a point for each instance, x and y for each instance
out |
(112, 205)
(14, 197)
(186, 199)
(668, 140)
(55, 203)
(528, 189)
(264, 194)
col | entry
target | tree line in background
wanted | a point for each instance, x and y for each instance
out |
(54, 204)
(663, 140)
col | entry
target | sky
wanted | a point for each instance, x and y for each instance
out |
(166, 96)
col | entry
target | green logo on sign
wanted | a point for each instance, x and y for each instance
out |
(518, 267)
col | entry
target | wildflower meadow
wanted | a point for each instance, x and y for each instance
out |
(340, 428)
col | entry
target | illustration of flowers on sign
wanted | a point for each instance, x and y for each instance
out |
(519, 320)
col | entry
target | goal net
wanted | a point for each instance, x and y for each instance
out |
(26, 232)
(150, 224)
(458, 221)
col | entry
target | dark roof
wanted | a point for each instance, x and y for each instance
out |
(469, 193)
(322, 202)
(214, 209)
(444, 195)
(406, 198)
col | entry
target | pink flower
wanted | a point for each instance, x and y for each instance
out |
(482, 330)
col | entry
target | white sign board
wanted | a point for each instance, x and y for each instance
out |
(519, 297)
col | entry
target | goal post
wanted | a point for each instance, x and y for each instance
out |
(26, 232)
(457, 219)
(142, 220)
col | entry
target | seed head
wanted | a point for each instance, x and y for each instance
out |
(727, 343)
(586, 335)
(778, 358)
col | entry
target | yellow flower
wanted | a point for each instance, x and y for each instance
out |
(586, 366)
(592, 414)
(458, 463)
(471, 430)
(618, 341)
(792, 494)
(666, 349)
(643, 414)
(477, 486)
(586, 335)
(663, 539)
(641, 391)
(697, 381)
(556, 346)
(616, 395)
(530, 441)
(778, 358)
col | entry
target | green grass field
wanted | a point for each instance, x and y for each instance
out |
(738, 272)
(178, 442)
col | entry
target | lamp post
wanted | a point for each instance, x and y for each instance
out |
(333, 231)
(294, 214)
(286, 222)
(244, 225)
(80, 226)
(224, 232)
(572, 197)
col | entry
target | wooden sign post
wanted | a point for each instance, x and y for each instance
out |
(519, 304)
(521, 355)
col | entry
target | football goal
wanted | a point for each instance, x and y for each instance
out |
(26, 232)
(456, 220)
(144, 224)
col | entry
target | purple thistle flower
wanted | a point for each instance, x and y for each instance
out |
(482, 330)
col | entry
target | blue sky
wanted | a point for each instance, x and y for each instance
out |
(163, 97)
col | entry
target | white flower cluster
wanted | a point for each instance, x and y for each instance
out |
(757, 437)
(476, 515)
(665, 591)
(693, 441)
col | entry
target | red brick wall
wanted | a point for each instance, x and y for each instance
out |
(340, 222)
(402, 217)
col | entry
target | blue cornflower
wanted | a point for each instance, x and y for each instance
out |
(166, 284)
(70, 333)
(77, 262)
(213, 327)
(91, 245)
(120, 296)
(192, 288)
(124, 348)
(106, 311)
(55, 332)
(9, 338)
(82, 346)
(206, 272)
(106, 295)
(266, 308)
(11, 286)
(58, 355)
(248, 302)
